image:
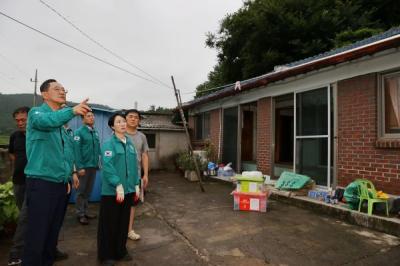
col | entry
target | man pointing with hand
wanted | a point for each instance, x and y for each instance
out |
(47, 172)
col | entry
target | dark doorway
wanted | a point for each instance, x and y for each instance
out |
(248, 147)
(230, 136)
(284, 134)
(247, 136)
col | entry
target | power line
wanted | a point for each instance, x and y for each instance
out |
(14, 65)
(77, 49)
(101, 45)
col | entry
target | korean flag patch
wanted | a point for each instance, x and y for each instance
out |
(108, 153)
(77, 138)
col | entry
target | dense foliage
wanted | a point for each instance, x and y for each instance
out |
(266, 33)
(8, 209)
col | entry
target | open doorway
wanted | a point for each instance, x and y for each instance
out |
(248, 151)
(283, 134)
(230, 136)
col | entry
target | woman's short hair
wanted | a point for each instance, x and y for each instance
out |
(112, 118)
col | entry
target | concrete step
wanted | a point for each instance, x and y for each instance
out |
(388, 225)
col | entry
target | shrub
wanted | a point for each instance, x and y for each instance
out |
(8, 209)
(185, 161)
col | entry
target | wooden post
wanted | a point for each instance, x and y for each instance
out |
(178, 100)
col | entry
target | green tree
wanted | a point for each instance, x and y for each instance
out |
(266, 33)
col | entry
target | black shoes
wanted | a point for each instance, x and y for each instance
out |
(108, 263)
(83, 220)
(14, 261)
(57, 257)
(90, 216)
(60, 255)
(127, 257)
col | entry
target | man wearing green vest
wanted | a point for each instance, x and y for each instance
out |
(47, 172)
(88, 150)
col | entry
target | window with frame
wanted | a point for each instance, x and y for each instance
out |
(202, 128)
(390, 105)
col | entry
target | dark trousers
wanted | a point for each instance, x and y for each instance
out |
(113, 227)
(19, 194)
(46, 207)
(18, 239)
(85, 188)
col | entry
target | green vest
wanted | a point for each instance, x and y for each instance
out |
(88, 147)
(119, 166)
(45, 144)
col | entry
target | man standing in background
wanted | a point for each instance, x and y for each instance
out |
(140, 141)
(87, 163)
(17, 152)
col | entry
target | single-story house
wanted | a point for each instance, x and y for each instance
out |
(334, 116)
(165, 139)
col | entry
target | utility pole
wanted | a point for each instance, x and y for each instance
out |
(179, 101)
(34, 92)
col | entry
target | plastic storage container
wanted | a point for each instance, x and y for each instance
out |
(249, 184)
(249, 201)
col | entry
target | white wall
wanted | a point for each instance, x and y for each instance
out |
(168, 144)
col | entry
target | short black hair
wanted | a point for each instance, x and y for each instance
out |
(45, 85)
(19, 110)
(82, 116)
(113, 116)
(127, 112)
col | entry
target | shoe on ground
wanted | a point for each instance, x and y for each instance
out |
(127, 257)
(108, 263)
(91, 216)
(14, 261)
(133, 236)
(83, 220)
(60, 255)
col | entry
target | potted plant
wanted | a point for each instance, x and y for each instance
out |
(183, 162)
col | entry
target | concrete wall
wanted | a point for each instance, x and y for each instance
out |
(359, 151)
(168, 144)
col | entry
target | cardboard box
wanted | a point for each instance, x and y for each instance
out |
(318, 194)
(249, 201)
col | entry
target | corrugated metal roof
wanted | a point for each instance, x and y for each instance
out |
(384, 35)
(262, 80)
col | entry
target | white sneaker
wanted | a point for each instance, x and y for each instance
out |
(133, 236)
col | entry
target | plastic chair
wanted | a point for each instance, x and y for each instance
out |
(367, 192)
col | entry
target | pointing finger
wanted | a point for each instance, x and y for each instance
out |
(85, 101)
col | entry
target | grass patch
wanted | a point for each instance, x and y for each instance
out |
(4, 139)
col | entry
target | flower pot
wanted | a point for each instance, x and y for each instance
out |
(193, 176)
(187, 173)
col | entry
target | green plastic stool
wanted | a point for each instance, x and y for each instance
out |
(367, 192)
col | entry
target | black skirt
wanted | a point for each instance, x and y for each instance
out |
(113, 227)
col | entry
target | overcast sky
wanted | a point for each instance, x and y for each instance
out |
(163, 38)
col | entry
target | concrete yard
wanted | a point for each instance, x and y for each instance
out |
(180, 225)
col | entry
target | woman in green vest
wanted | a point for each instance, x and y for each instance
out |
(119, 179)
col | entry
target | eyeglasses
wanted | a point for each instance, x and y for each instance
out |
(60, 90)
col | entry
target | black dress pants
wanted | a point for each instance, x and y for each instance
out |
(113, 227)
